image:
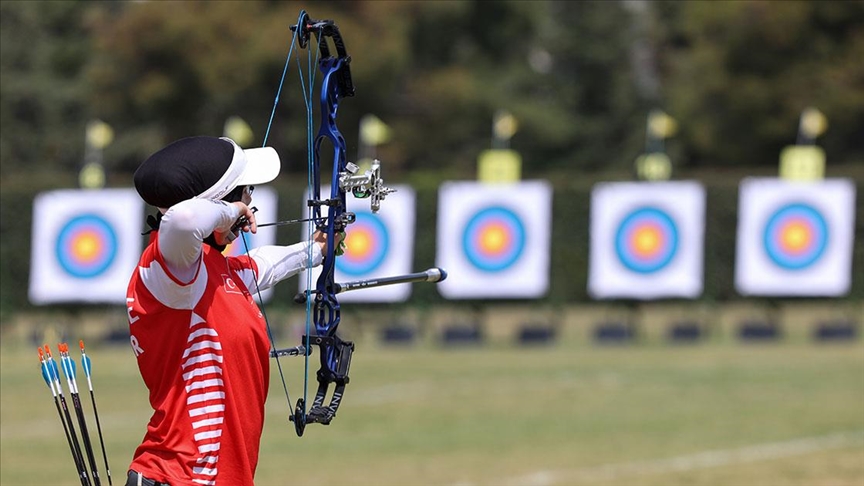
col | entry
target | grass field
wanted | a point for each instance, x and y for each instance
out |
(710, 414)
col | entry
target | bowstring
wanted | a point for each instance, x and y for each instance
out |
(308, 94)
(246, 244)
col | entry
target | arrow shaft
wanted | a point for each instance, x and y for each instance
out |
(101, 441)
(286, 222)
(85, 361)
(75, 458)
(69, 369)
(79, 458)
(88, 446)
(46, 374)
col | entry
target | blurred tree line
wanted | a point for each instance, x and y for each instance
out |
(579, 76)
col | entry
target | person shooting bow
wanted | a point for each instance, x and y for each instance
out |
(199, 337)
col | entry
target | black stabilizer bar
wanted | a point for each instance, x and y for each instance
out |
(434, 274)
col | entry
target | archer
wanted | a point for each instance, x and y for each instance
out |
(200, 339)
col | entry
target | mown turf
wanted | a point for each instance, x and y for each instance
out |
(569, 414)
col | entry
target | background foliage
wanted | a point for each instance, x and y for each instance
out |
(580, 78)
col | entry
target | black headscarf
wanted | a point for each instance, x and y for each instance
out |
(183, 170)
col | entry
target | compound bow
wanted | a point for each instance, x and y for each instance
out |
(321, 302)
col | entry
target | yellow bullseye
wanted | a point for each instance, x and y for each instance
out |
(86, 247)
(647, 240)
(795, 237)
(494, 239)
(358, 244)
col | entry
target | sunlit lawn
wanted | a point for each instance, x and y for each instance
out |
(781, 414)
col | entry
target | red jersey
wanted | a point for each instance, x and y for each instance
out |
(203, 352)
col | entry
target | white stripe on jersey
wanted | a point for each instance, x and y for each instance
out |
(210, 434)
(202, 358)
(197, 385)
(205, 471)
(201, 332)
(208, 448)
(203, 397)
(207, 422)
(207, 370)
(202, 345)
(195, 412)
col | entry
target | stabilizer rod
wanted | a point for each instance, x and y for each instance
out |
(434, 274)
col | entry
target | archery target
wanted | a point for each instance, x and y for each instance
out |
(376, 245)
(795, 238)
(492, 244)
(367, 242)
(646, 240)
(494, 239)
(85, 245)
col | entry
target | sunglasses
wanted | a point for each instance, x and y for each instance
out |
(237, 193)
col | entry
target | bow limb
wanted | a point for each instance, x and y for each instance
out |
(325, 311)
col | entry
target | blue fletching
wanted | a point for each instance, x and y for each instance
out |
(72, 366)
(55, 375)
(45, 374)
(85, 360)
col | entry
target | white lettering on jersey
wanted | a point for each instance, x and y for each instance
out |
(130, 300)
(135, 347)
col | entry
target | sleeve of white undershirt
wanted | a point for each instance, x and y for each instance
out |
(276, 263)
(183, 230)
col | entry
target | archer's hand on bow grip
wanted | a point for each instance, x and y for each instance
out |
(340, 247)
(320, 237)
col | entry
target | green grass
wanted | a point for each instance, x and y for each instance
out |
(570, 414)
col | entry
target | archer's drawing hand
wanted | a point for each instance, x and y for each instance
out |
(245, 222)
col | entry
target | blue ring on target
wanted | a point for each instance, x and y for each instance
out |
(377, 241)
(667, 233)
(506, 232)
(813, 224)
(92, 235)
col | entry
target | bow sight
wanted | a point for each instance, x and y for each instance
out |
(365, 185)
